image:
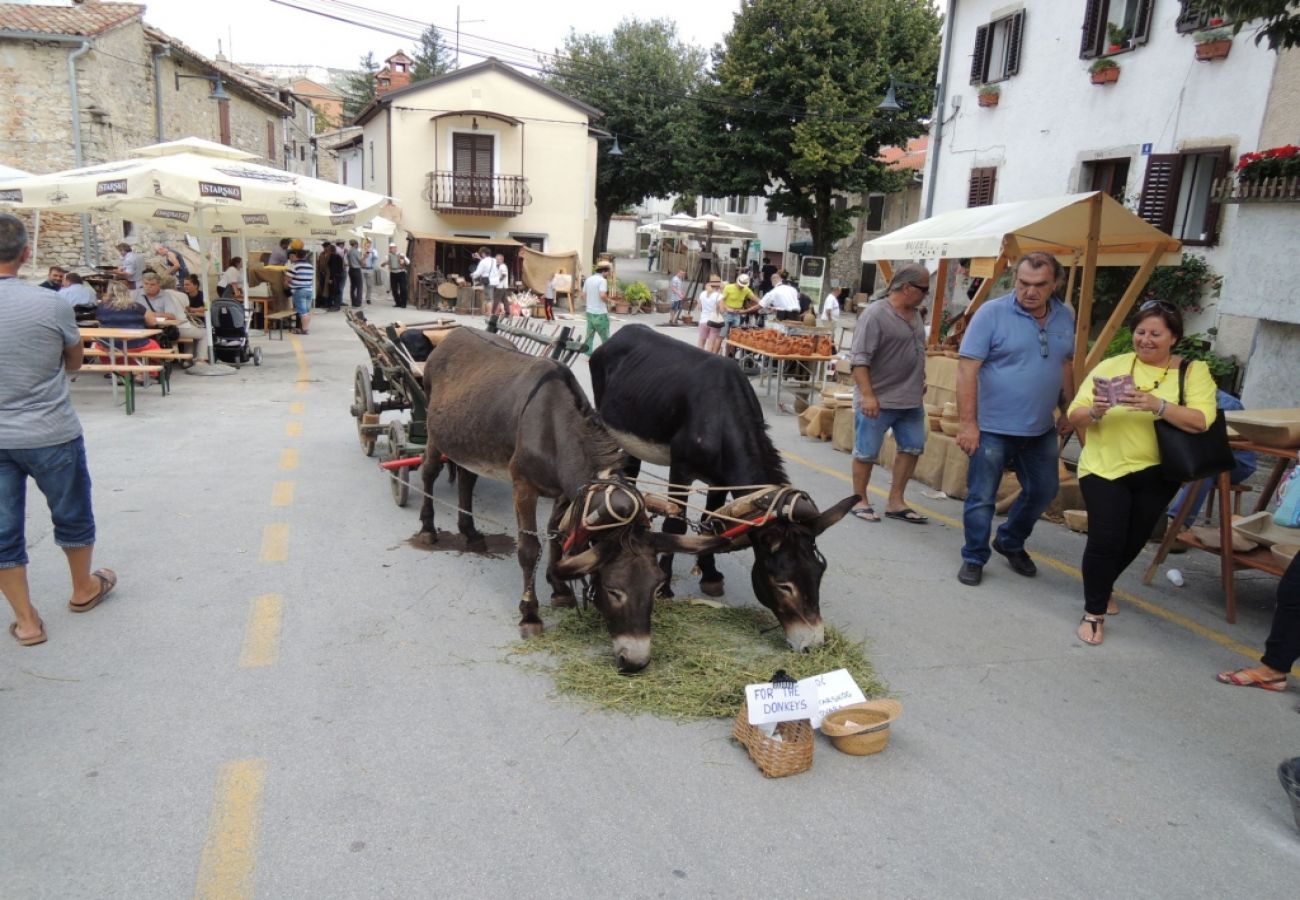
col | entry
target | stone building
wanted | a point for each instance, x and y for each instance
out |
(89, 83)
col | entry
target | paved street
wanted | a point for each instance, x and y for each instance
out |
(284, 698)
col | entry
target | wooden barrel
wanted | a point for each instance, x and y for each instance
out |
(448, 290)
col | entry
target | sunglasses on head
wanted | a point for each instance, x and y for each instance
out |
(1162, 304)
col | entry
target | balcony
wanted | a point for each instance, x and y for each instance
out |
(1280, 189)
(477, 195)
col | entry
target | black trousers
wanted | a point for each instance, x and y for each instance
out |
(355, 286)
(1121, 515)
(336, 290)
(397, 286)
(1282, 648)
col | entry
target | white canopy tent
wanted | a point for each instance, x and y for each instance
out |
(1083, 231)
(197, 186)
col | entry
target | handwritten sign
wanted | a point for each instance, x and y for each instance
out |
(781, 702)
(834, 689)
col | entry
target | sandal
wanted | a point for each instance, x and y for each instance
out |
(1112, 608)
(107, 581)
(38, 638)
(1097, 624)
(865, 513)
(1251, 678)
(907, 514)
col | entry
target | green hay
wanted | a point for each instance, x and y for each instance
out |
(702, 658)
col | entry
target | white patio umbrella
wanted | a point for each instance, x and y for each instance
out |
(198, 186)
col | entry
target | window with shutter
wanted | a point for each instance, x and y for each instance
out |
(982, 183)
(1191, 18)
(1177, 193)
(1016, 28)
(1093, 17)
(472, 170)
(270, 141)
(1159, 190)
(979, 63)
(875, 213)
(1142, 21)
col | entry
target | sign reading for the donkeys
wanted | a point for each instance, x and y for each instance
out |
(810, 698)
(220, 191)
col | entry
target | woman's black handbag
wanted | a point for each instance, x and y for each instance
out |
(168, 336)
(1190, 457)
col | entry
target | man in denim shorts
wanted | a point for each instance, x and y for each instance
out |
(888, 360)
(40, 438)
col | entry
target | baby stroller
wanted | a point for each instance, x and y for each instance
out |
(230, 342)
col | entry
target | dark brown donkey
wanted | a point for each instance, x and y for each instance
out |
(497, 412)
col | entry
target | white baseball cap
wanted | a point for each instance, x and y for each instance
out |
(742, 280)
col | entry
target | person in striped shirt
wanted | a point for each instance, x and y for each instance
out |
(302, 283)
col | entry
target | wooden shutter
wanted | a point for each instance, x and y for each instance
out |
(1142, 22)
(1221, 168)
(1015, 28)
(1191, 18)
(979, 62)
(1092, 25)
(1160, 190)
(982, 183)
(270, 142)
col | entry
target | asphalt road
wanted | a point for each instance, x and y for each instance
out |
(284, 698)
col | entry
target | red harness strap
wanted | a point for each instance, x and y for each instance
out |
(737, 530)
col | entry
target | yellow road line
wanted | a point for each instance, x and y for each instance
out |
(304, 370)
(282, 493)
(288, 459)
(230, 852)
(262, 637)
(275, 543)
(297, 408)
(292, 428)
(1147, 606)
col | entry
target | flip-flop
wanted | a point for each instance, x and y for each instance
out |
(865, 513)
(107, 581)
(1247, 678)
(907, 514)
(27, 641)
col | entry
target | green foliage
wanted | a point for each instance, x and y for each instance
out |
(1280, 25)
(432, 56)
(1102, 64)
(359, 87)
(1188, 286)
(685, 203)
(643, 78)
(1192, 346)
(637, 293)
(791, 108)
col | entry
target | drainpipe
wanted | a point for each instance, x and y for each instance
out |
(160, 52)
(76, 140)
(933, 160)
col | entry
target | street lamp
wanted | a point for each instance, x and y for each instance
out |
(891, 104)
(218, 89)
(616, 150)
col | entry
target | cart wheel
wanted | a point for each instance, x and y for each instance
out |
(257, 356)
(400, 480)
(363, 408)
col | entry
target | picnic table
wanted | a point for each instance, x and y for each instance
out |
(116, 340)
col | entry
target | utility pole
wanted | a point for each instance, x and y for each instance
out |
(467, 22)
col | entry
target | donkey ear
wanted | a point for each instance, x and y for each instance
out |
(833, 515)
(579, 564)
(692, 545)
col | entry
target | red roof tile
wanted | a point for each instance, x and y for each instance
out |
(911, 158)
(88, 19)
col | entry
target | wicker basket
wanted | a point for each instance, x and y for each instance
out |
(776, 759)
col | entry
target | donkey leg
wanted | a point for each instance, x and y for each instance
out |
(465, 515)
(429, 470)
(711, 580)
(561, 592)
(673, 525)
(528, 551)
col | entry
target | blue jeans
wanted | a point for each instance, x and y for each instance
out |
(730, 320)
(909, 428)
(1240, 472)
(62, 476)
(1034, 460)
(302, 301)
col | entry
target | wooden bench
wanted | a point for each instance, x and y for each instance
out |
(126, 372)
(166, 358)
(282, 319)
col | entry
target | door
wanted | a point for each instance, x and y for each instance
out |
(472, 177)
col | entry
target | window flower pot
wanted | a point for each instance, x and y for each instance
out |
(1115, 48)
(1213, 50)
(1106, 76)
(989, 99)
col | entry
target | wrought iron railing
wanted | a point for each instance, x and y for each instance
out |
(1263, 190)
(478, 195)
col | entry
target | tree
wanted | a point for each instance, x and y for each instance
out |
(791, 110)
(431, 56)
(1281, 25)
(643, 78)
(359, 87)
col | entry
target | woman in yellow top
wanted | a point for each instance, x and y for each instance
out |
(1123, 486)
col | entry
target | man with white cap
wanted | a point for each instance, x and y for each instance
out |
(596, 291)
(737, 301)
(397, 265)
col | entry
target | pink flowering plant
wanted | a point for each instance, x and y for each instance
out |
(1275, 162)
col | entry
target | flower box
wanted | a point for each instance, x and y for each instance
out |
(990, 98)
(1109, 75)
(1213, 50)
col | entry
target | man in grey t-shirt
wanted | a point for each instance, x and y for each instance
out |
(888, 362)
(40, 438)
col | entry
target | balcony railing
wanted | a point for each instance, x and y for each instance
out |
(1266, 190)
(478, 195)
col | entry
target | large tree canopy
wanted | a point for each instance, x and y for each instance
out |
(359, 87)
(431, 56)
(791, 112)
(643, 78)
(1281, 19)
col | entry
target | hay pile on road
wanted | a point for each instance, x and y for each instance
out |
(703, 656)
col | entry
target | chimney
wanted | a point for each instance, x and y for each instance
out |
(395, 74)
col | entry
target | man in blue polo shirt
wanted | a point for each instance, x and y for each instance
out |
(1015, 370)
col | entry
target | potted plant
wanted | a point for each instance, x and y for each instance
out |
(989, 95)
(1213, 44)
(637, 296)
(1104, 71)
(1117, 38)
